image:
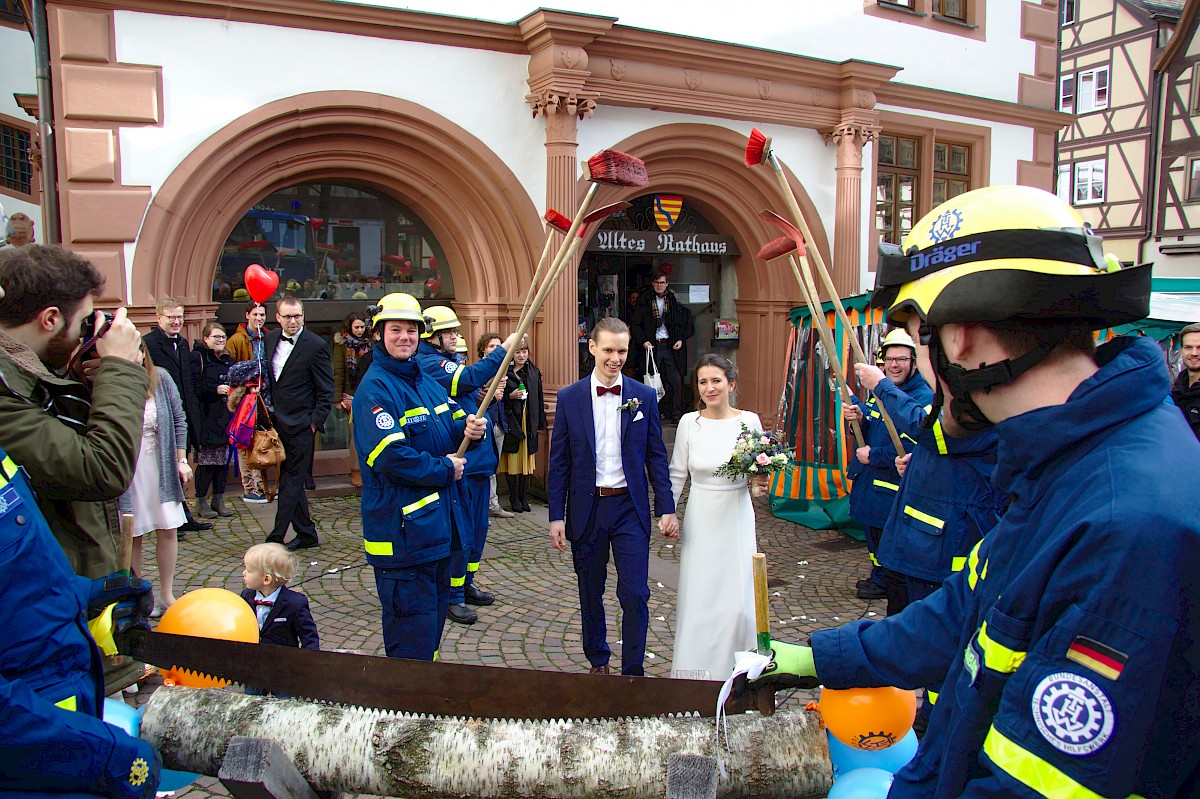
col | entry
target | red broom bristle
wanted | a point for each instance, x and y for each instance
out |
(777, 248)
(757, 147)
(557, 221)
(787, 227)
(601, 213)
(616, 169)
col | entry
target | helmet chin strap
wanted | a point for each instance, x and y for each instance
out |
(963, 381)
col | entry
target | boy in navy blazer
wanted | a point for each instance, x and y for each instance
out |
(606, 438)
(283, 615)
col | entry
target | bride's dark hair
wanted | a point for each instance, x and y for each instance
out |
(712, 359)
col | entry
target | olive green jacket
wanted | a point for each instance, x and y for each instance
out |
(77, 476)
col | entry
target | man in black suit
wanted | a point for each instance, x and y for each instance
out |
(170, 350)
(301, 380)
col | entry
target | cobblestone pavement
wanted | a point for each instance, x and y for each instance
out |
(535, 621)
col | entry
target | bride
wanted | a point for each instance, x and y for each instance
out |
(716, 591)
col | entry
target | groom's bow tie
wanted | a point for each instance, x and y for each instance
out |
(602, 390)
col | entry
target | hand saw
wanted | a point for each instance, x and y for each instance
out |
(440, 689)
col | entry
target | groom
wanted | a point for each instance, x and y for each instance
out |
(606, 436)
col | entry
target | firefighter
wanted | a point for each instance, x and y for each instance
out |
(437, 357)
(873, 468)
(406, 431)
(1067, 646)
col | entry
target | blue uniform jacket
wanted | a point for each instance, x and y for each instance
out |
(946, 500)
(1069, 648)
(461, 382)
(404, 426)
(51, 676)
(876, 483)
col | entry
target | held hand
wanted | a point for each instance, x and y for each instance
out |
(759, 485)
(864, 455)
(88, 369)
(648, 345)
(677, 345)
(509, 344)
(558, 535)
(223, 390)
(458, 464)
(791, 666)
(185, 473)
(668, 525)
(516, 394)
(902, 463)
(868, 375)
(851, 412)
(476, 427)
(122, 339)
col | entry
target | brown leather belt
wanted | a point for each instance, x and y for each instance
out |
(611, 492)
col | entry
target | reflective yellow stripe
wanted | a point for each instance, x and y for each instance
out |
(885, 484)
(925, 517)
(940, 437)
(875, 414)
(931, 696)
(378, 547)
(454, 381)
(973, 567)
(9, 468)
(998, 657)
(382, 445)
(420, 503)
(445, 406)
(472, 567)
(421, 411)
(69, 703)
(436, 654)
(460, 413)
(458, 582)
(957, 564)
(874, 562)
(1027, 768)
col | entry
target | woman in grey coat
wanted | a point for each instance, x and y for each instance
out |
(155, 497)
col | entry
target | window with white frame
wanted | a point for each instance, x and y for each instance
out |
(1089, 182)
(1062, 186)
(1091, 90)
(1068, 13)
(1193, 192)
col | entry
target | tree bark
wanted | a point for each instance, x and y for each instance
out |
(387, 754)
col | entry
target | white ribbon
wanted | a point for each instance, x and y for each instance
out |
(752, 665)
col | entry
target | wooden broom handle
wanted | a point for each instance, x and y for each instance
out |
(762, 617)
(125, 546)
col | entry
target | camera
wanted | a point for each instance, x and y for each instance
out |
(88, 329)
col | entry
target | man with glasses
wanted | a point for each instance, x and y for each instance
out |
(660, 324)
(300, 374)
(170, 350)
(873, 467)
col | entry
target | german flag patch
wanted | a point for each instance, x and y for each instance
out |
(1103, 660)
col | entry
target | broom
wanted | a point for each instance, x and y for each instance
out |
(787, 246)
(608, 167)
(758, 151)
(560, 223)
(795, 235)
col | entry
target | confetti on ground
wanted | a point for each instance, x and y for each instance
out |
(331, 571)
(776, 594)
(661, 618)
(660, 585)
(670, 546)
(870, 613)
(802, 563)
(650, 654)
(795, 617)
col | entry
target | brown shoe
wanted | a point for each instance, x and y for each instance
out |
(599, 669)
(356, 478)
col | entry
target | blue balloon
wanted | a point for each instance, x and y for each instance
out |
(848, 758)
(129, 719)
(862, 783)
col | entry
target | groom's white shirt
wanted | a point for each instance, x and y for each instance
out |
(606, 421)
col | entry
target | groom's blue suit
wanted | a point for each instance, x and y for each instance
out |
(622, 522)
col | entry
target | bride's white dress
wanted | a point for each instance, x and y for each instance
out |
(716, 586)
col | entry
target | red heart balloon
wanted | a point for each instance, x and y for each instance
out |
(260, 283)
(316, 223)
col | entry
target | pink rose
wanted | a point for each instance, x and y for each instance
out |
(762, 459)
(764, 440)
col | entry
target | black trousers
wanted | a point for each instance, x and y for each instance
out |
(664, 359)
(292, 503)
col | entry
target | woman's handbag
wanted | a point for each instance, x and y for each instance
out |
(653, 379)
(266, 449)
(241, 426)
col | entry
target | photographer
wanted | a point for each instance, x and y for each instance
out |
(78, 443)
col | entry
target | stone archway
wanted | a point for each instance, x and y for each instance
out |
(471, 201)
(707, 164)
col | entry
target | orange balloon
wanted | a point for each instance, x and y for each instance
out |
(208, 613)
(868, 718)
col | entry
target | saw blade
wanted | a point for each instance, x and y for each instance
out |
(439, 689)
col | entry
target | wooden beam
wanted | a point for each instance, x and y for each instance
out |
(258, 768)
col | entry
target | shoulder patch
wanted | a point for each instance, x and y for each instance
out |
(10, 498)
(384, 421)
(449, 366)
(1073, 714)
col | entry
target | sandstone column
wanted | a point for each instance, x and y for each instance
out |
(847, 242)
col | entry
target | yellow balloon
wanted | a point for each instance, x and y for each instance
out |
(208, 613)
(868, 718)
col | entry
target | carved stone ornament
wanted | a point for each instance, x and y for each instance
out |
(849, 140)
(550, 104)
(35, 154)
(764, 89)
(692, 78)
(571, 56)
(818, 97)
(617, 67)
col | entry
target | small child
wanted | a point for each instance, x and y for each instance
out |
(283, 615)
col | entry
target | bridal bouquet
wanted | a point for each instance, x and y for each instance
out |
(755, 454)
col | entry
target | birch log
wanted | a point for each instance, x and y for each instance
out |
(385, 754)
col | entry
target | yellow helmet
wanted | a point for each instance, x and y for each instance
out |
(397, 306)
(1006, 253)
(897, 338)
(462, 345)
(439, 318)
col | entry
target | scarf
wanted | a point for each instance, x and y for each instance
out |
(658, 318)
(258, 343)
(355, 348)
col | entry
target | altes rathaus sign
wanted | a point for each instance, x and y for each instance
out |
(654, 243)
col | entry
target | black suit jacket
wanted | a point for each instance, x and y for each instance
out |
(179, 366)
(303, 394)
(289, 623)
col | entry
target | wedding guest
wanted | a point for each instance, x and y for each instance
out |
(349, 347)
(524, 417)
(211, 362)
